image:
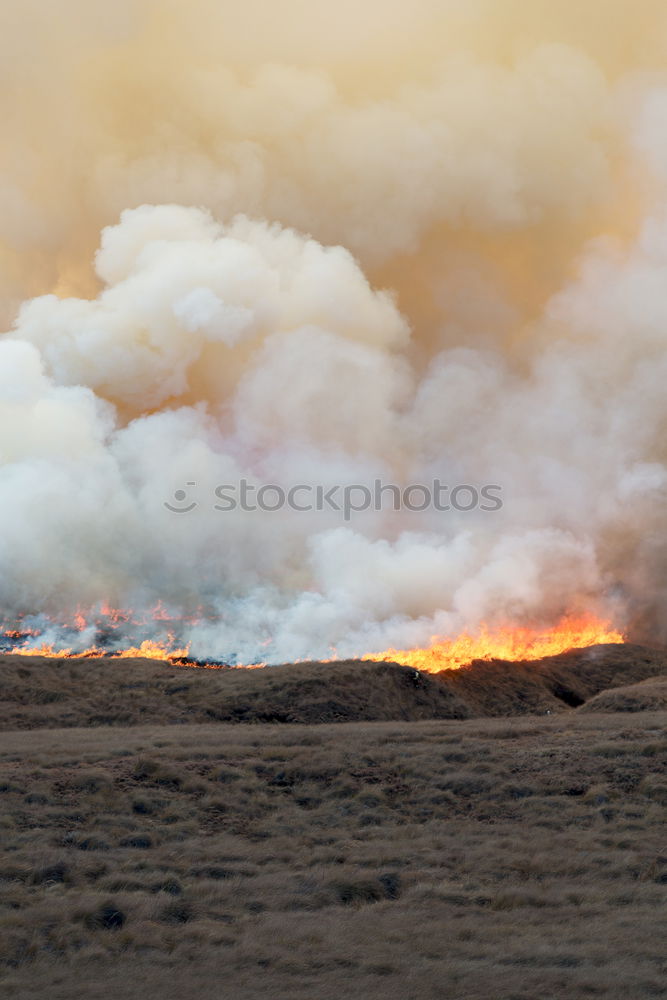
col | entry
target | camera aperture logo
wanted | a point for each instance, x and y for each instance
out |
(346, 499)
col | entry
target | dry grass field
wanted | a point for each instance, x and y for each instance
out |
(513, 858)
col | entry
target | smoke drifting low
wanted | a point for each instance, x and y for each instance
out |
(339, 242)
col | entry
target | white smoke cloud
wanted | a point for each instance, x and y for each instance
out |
(422, 253)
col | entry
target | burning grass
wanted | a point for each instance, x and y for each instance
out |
(118, 634)
(147, 649)
(509, 643)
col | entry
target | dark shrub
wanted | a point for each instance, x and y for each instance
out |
(176, 913)
(50, 874)
(391, 883)
(142, 842)
(107, 917)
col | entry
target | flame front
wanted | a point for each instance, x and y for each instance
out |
(511, 643)
(508, 643)
(117, 625)
(146, 649)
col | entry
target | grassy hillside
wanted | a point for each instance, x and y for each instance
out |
(37, 691)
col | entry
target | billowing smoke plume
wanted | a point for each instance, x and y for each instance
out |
(340, 243)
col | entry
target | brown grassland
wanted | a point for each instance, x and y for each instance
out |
(164, 837)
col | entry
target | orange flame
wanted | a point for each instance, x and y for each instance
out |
(509, 643)
(79, 621)
(153, 651)
(111, 618)
(147, 649)
(115, 616)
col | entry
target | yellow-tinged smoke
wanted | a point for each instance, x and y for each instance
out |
(369, 124)
(357, 239)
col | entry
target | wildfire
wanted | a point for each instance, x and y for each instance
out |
(509, 643)
(147, 649)
(154, 651)
(110, 626)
